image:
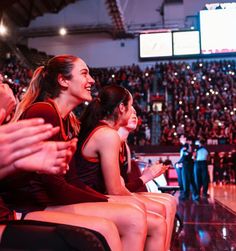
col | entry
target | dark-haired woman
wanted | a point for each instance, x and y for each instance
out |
(55, 90)
(97, 158)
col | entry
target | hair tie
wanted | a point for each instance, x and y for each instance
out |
(44, 70)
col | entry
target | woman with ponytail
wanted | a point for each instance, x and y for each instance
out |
(97, 157)
(55, 90)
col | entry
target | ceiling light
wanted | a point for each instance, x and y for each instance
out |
(63, 31)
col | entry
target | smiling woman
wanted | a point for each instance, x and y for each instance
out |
(64, 82)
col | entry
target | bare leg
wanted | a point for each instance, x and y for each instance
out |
(163, 195)
(170, 215)
(151, 205)
(156, 233)
(130, 220)
(103, 226)
(156, 219)
(170, 204)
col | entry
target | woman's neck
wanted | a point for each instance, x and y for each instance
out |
(64, 106)
(111, 123)
(123, 133)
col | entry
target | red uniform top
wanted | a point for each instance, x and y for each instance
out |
(32, 191)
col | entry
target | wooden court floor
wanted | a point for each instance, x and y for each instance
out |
(209, 224)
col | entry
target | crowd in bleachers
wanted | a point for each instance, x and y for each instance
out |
(15, 74)
(202, 98)
(222, 167)
(198, 98)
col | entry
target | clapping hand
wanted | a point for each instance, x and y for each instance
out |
(150, 173)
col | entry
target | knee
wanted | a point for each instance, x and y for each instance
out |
(160, 224)
(107, 228)
(137, 220)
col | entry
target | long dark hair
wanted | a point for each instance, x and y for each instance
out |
(44, 84)
(103, 107)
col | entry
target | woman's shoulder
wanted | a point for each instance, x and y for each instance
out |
(106, 135)
(41, 106)
(43, 110)
(104, 129)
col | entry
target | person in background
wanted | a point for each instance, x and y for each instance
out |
(211, 168)
(200, 169)
(216, 169)
(178, 168)
(187, 173)
(168, 162)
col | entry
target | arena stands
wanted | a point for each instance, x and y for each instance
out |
(198, 98)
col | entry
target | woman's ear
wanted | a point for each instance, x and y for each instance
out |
(62, 81)
(122, 108)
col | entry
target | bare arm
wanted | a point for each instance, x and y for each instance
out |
(108, 145)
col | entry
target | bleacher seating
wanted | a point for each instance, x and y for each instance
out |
(198, 98)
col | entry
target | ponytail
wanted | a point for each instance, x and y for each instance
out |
(91, 116)
(31, 94)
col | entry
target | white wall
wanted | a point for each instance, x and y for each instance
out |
(98, 50)
(174, 15)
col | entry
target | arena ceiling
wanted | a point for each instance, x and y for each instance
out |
(23, 12)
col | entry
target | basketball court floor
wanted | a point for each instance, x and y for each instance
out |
(209, 224)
